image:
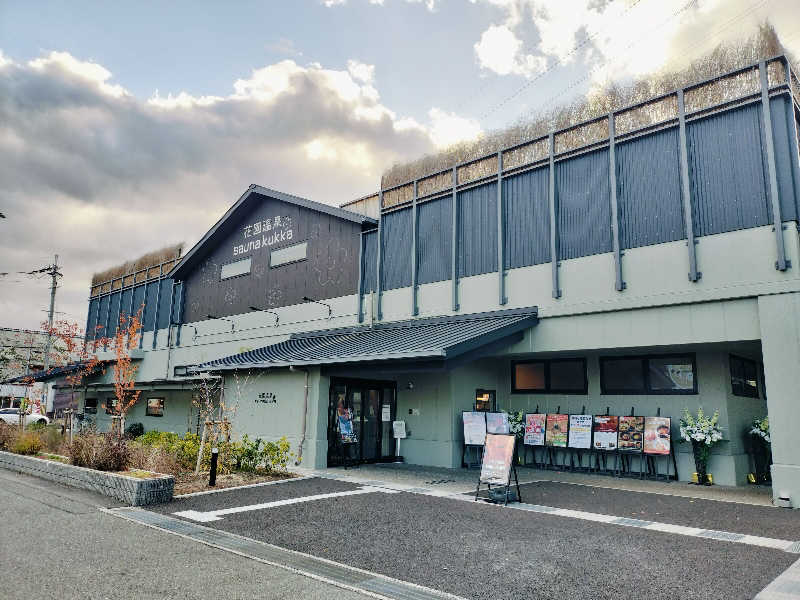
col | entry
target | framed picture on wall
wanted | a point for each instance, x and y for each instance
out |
(155, 407)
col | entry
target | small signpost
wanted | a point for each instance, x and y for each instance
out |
(474, 436)
(399, 431)
(497, 465)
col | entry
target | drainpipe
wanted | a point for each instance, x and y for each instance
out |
(305, 411)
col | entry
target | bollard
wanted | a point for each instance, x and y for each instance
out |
(212, 476)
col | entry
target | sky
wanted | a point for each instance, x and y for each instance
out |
(126, 127)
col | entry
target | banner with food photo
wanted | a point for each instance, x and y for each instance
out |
(474, 428)
(657, 435)
(534, 429)
(580, 432)
(497, 422)
(556, 434)
(605, 432)
(497, 457)
(631, 434)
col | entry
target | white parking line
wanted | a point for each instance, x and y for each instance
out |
(216, 515)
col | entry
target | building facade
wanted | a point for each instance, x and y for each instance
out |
(621, 266)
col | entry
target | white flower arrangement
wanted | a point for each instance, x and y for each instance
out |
(700, 428)
(760, 428)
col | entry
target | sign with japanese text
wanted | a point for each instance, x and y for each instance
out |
(657, 435)
(556, 433)
(605, 432)
(474, 428)
(264, 234)
(266, 398)
(580, 431)
(497, 423)
(497, 457)
(631, 432)
(534, 429)
(399, 429)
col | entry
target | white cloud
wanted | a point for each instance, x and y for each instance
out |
(499, 50)
(89, 71)
(360, 71)
(448, 128)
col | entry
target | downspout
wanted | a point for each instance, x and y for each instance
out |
(305, 412)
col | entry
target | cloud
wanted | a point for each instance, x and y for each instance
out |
(448, 128)
(429, 4)
(98, 176)
(500, 50)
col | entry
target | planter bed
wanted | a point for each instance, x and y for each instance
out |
(133, 490)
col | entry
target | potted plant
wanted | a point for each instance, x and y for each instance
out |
(516, 423)
(703, 432)
(761, 448)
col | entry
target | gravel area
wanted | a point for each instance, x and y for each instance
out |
(188, 483)
(707, 514)
(480, 551)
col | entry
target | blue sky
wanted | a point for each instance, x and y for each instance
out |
(315, 98)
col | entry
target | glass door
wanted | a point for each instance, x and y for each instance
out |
(370, 444)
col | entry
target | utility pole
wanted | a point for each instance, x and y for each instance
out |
(54, 273)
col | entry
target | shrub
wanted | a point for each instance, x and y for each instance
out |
(184, 448)
(134, 430)
(7, 435)
(27, 442)
(52, 438)
(247, 455)
(151, 458)
(277, 454)
(99, 451)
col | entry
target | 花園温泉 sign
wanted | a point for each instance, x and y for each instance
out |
(265, 234)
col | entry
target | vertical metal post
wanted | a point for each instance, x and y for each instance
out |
(619, 284)
(169, 316)
(454, 257)
(180, 314)
(108, 316)
(380, 257)
(501, 274)
(133, 293)
(96, 319)
(360, 289)
(782, 263)
(144, 310)
(119, 309)
(158, 301)
(694, 274)
(553, 217)
(414, 241)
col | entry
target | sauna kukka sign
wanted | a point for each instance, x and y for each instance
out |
(266, 233)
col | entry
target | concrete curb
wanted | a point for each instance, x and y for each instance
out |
(130, 490)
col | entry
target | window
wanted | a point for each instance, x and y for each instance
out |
(666, 374)
(235, 269)
(90, 405)
(110, 404)
(485, 400)
(744, 377)
(289, 254)
(155, 407)
(562, 376)
(180, 371)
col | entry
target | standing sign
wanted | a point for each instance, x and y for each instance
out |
(346, 431)
(399, 429)
(534, 429)
(497, 423)
(580, 431)
(556, 434)
(497, 458)
(657, 435)
(605, 432)
(631, 433)
(474, 428)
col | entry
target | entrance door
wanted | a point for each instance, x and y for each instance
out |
(371, 439)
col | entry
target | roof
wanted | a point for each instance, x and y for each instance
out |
(53, 373)
(254, 194)
(441, 339)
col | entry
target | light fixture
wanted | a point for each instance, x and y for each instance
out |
(328, 306)
(233, 324)
(272, 312)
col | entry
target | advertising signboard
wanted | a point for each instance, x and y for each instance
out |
(631, 434)
(657, 435)
(399, 429)
(605, 432)
(580, 431)
(474, 428)
(346, 431)
(497, 423)
(534, 429)
(497, 457)
(556, 434)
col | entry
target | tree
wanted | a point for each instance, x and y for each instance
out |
(126, 395)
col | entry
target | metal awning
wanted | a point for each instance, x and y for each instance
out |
(438, 339)
(56, 372)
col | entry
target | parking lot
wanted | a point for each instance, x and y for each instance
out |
(572, 541)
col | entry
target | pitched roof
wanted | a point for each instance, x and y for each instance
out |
(252, 195)
(441, 338)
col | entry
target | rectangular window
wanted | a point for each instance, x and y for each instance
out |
(665, 374)
(289, 254)
(744, 377)
(485, 400)
(562, 376)
(90, 406)
(235, 269)
(110, 404)
(155, 407)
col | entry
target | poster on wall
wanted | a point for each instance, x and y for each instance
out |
(556, 434)
(605, 432)
(631, 434)
(657, 435)
(580, 431)
(497, 457)
(534, 429)
(474, 428)
(346, 431)
(497, 423)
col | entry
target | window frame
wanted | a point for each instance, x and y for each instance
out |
(233, 262)
(548, 389)
(492, 395)
(290, 262)
(92, 410)
(756, 370)
(147, 412)
(647, 390)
